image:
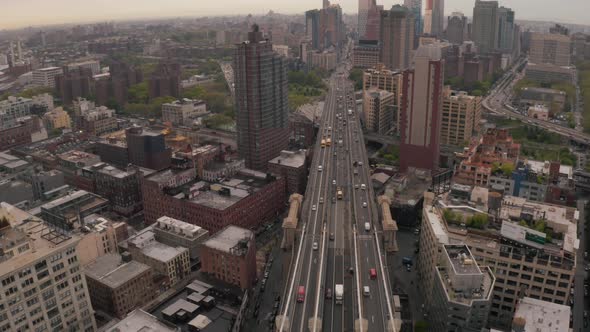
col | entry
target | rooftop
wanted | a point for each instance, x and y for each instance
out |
(462, 278)
(140, 321)
(293, 159)
(228, 238)
(162, 252)
(24, 227)
(541, 316)
(112, 271)
(461, 260)
(76, 156)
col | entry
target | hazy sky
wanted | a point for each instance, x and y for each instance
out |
(19, 13)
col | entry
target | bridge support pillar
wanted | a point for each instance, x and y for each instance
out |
(291, 221)
(389, 225)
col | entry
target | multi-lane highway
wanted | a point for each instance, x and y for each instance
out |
(339, 233)
(498, 102)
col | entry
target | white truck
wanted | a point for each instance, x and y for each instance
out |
(339, 293)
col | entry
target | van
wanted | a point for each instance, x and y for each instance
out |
(367, 226)
(366, 291)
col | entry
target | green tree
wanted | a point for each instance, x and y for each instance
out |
(507, 169)
(138, 93)
(356, 75)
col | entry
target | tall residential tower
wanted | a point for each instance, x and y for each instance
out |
(397, 37)
(484, 31)
(261, 101)
(420, 110)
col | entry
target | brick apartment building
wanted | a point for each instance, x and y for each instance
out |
(230, 256)
(247, 200)
(118, 285)
(292, 166)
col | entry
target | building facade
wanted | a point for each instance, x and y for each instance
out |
(176, 233)
(396, 37)
(118, 285)
(552, 49)
(379, 110)
(46, 76)
(230, 256)
(120, 187)
(262, 116)
(421, 110)
(235, 201)
(461, 117)
(41, 279)
(147, 148)
(181, 111)
(484, 28)
(292, 166)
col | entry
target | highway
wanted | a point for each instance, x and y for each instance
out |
(334, 246)
(498, 99)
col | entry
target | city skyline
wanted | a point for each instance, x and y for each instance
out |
(68, 11)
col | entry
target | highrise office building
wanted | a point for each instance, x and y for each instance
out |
(550, 48)
(434, 15)
(261, 101)
(505, 29)
(457, 28)
(397, 37)
(312, 27)
(324, 27)
(363, 16)
(484, 29)
(416, 7)
(420, 110)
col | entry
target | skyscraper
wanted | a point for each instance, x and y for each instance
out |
(416, 7)
(420, 110)
(261, 101)
(434, 15)
(396, 37)
(505, 29)
(484, 31)
(363, 16)
(312, 27)
(457, 28)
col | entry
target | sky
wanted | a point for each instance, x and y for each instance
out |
(22, 13)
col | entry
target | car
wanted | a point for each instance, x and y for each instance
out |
(356, 186)
(363, 186)
(408, 268)
(314, 207)
(360, 163)
(266, 274)
(351, 270)
(416, 231)
(319, 168)
(364, 204)
(334, 182)
(276, 305)
(366, 291)
(333, 199)
(321, 200)
(315, 246)
(329, 293)
(331, 236)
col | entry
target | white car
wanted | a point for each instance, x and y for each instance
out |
(334, 182)
(315, 246)
(364, 204)
(313, 207)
